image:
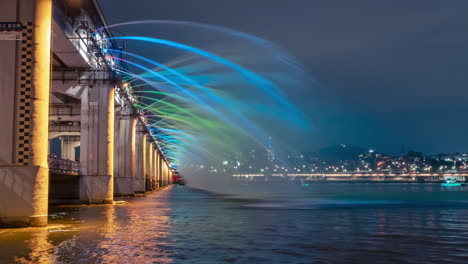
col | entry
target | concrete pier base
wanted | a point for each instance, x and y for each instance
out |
(124, 186)
(23, 190)
(95, 189)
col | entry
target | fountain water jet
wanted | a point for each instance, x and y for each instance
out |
(208, 109)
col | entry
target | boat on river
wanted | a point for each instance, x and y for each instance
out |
(452, 182)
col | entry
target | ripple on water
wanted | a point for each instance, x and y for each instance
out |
(180, 225)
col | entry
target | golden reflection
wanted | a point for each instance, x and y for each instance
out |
(108, 232)
(110, 225)
(134, 233)
(41, 251)
(137, 232)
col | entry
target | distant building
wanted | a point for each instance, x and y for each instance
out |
(270, 151)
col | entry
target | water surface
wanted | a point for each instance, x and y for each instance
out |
(322, 223)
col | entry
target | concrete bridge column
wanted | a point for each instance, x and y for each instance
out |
(140, 159)
(69, 143)
(171, 175)
(24, 113)
(155, 173)
(160, 175)
(125, 162)
(117, 152)
(151, 167)
(155, 168)
(168, 175)
(157, 176)
(147, 163)
(163, 173)
(97, 142)
(160, 168)
(166, 178)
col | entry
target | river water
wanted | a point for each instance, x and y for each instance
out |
(321, 223)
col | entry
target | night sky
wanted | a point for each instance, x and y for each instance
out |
(390, 74)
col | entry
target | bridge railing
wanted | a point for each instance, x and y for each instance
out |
(59, 165)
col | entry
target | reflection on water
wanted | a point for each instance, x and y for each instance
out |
(131, 233)
(41, 250)
(347, 223)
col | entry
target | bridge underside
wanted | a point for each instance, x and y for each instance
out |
(78, 125)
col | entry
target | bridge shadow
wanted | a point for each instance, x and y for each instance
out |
(64, 181)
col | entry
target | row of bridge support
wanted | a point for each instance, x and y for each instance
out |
(118, 156)
(114, 142)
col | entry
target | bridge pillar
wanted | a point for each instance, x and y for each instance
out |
(158, 170)
(163, 173)
(160, 179)
(155, 177)
(125, 161)
(69, 143)
(140, 159)
(167, 174)
(169, 179)
(97, 142)
(150, 166)
(148, 156)
(153, 167)
(24, 112)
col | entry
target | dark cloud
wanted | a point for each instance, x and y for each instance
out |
(390, 72)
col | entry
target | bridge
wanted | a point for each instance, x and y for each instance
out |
(56, 83)
(358, 176)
